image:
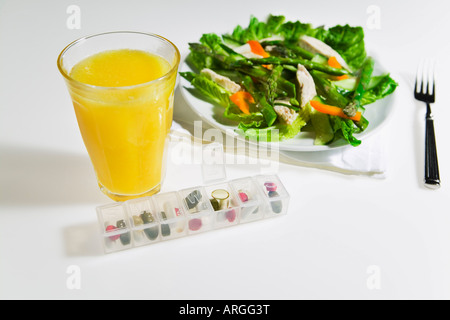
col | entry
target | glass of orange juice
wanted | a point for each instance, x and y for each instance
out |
(122, 88)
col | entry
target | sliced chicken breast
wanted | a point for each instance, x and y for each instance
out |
(222, 81)
(316, 46)
(287, 114)
(307, 85)
(246, 51)
(273, 38)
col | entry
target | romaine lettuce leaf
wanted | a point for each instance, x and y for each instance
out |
(199, 60)
(383, 88)
(351, 83)
(378, 88)
(267, 111)
(220, 96)
(208, 88)
(212, 53)
(349, 42)
(345, 128)
(275, 26)
(257, 30)
(278, 132)
(292, 31)
(213, 41)
(233, 112)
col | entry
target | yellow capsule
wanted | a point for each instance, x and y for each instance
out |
(137, 221)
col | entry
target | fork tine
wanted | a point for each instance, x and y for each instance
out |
(415, 84)
(428, 81)
(418, 87)
(425, 84)
(433, 80)
(425, 76)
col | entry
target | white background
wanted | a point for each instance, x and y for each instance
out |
(337, 227)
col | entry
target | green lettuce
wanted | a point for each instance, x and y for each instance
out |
(274, 26)
(218, 95)
(212, 53)
(292, 31)
(378, 88)
(346, 129)
(256, 30)
(233, 112)
(385, 86)
(208, 88)
(280, 131)
(348, 42)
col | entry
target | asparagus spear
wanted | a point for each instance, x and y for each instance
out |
(300, 51)
(328, 91)
(226, 62)
(262, 74)
(264, 107)
(290, 61)
(271, 83)
(364, 80)
(290, 46)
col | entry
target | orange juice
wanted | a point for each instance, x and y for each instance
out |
(124, 114)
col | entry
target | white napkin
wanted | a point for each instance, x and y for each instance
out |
(367, 159)
(370, 158)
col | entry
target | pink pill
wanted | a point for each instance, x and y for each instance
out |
(270, 186)
(243, 196)
(230, 215)
(112, 228)
(195, 224)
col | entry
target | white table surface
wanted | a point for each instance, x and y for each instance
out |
(338, 226)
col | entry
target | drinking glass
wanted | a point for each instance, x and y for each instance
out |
(124, 129)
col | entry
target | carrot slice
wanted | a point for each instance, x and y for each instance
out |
(345, 76)
(332, 110)
(241, 99)
(257, 48)
(332, 62)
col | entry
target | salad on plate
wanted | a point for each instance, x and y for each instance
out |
(276, 78)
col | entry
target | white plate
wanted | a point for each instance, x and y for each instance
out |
(376, 113)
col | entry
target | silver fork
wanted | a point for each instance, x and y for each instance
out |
(424, 90)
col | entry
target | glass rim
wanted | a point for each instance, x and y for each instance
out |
(75, 42)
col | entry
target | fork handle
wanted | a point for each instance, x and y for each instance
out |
(432, 179)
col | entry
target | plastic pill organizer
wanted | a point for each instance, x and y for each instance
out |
(172, 215)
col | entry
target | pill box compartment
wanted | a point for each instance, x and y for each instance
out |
(143, 220)
(225, 205)
(171, 215)
(275, 197)
(249, 199)
(115, 228)
(198, 209)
